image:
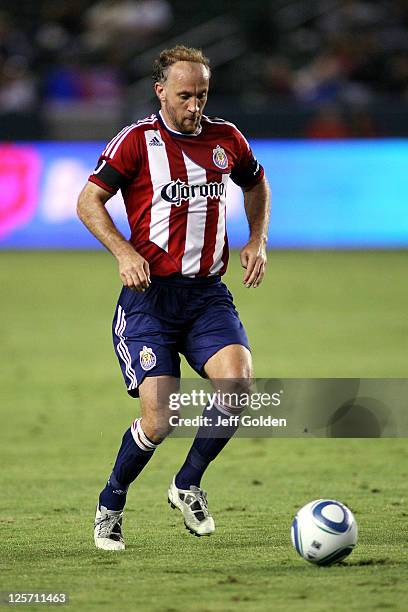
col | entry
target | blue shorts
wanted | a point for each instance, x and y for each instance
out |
(192, 316)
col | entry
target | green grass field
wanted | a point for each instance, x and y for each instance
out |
(64, 408)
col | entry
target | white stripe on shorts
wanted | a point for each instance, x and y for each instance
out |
(123, 350)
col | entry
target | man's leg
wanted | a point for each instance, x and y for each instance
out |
(138, 445)
(231, 366)
(234, 363)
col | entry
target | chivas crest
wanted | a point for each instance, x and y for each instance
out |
(147, 358)
(220, 158)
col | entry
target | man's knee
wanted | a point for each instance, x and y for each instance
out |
(158, 419)
(240, 372)
(231, 362)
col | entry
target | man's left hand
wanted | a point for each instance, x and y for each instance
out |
(253, 259)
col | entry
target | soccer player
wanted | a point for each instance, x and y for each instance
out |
(173, 169)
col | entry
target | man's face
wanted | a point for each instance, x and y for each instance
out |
(183, 95)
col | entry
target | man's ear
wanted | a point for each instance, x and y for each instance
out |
(160, 92)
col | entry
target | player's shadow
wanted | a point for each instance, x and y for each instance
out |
(350, 564)
(365, 563)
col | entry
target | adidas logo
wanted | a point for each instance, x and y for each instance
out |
(155, 142)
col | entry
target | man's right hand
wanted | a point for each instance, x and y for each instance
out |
(134, 270)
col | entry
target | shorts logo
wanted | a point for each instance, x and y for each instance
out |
(220, 158)
(147, 358)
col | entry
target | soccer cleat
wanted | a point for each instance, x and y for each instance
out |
(194, 507)
(108, 529)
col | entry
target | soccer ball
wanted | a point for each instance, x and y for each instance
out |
(324, 532)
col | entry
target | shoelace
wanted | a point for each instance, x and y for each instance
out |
(107, 524)
(201, 497)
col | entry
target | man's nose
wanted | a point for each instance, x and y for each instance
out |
(194, 106)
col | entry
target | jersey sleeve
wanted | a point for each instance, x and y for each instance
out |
(119, 162)
(247, 171)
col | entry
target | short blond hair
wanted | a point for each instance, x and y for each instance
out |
(180, 53)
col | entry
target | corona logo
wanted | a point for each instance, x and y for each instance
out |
(178, 191)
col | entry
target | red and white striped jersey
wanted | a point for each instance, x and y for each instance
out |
(174, 187)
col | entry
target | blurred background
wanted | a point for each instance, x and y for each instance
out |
(320, 88)
(78, 70)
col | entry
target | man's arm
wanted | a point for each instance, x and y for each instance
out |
(133, 268)
(253, 254)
